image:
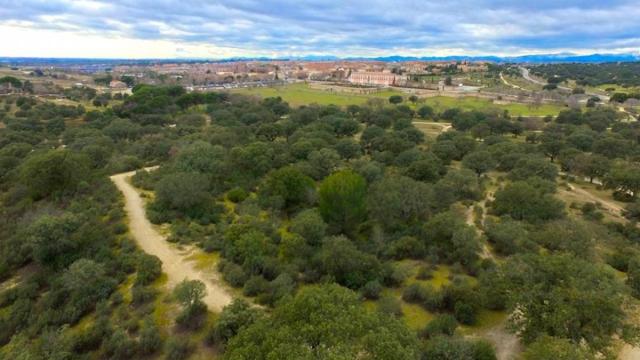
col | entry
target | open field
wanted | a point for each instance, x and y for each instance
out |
(302, 94)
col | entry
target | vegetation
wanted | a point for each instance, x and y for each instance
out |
(357, 234)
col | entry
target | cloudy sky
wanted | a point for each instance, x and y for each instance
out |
(219, 29)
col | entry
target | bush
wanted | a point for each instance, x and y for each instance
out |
(483, 350)
(390, 305)
(237, 195)
(149, 269)
(237, 315)
(233, 273)
(178, 348)
(441, 325)
(465, 313)
(150, 340)
(371, 290)
(255, 285)
(142, 295)
(414, 293)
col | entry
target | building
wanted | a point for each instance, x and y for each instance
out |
(116, 84)
(377, 78)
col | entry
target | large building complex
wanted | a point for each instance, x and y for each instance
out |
(377, 78)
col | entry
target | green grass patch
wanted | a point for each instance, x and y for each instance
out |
(415, 316)
(485, 320)
(468, 103)
(204, 260)
(301, 94)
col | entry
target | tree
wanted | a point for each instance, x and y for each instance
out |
(185, 192)
(310, 226)
(398, 200)
(234, 317)
(426, 112)
(395, 99)
(52, 240)
(349, 266)
(479, 161)
(342, 200)
(323, 322)
(54, 173)
(448, 81)
(624, 177)
(190, 293)
(149, 269)
(566, 297)
(592, 166)
(551, 144)
(533, 166)
(86, 283)
(287, 188)
(413, 99)
(522, 201)
(550, 348)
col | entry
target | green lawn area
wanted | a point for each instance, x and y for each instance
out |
(440, 103)
(301, 94)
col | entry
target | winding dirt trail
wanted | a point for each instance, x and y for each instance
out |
(174, 262)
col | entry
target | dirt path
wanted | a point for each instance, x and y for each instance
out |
(507, 344)
(610, 206)
(174, 262)
(629, 353)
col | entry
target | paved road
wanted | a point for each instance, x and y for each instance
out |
(527, 75)
(174, 261)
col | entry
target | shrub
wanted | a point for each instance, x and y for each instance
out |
(255, 285)
(237, 195)
(441, 325)
(178, 348)
(371, 290)
(465, 312)
(390, 305)
(232, 273)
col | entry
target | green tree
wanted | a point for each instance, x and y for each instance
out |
(550, 348)
(398, 200)
(566, 297)
(479, 161)
(234, 317)
(351, 267)
(54, 172)
(624, 178)
(342, 200)
(324, 322)
(310, 226)
(287, 188)
(522, 201)
(185, 192)
(426, 112)
(395, 99)
(52, 240)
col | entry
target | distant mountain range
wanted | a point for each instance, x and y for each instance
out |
(534, 59)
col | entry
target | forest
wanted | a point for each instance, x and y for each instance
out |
(327, 223)
(626, 74)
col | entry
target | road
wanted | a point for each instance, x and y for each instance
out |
(527, 76)
(174, 261)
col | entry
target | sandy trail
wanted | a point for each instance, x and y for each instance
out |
(610, 206)
(174, 262)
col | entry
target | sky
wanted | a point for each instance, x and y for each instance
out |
(344, 28)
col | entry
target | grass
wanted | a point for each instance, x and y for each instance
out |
(441, 103)
(301, 94)
(204, 260)
(485, 320)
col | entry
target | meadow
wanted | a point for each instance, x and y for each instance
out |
(301, 94)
